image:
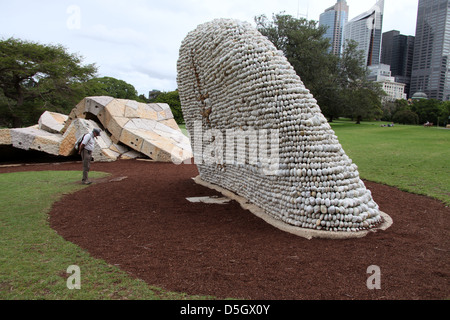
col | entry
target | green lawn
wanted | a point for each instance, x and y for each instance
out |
(183, 129)
(411, 158)
(34, 259)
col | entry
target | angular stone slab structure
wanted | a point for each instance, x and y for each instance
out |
(33, 138)
(130, 130)
(52, 122)
(149, 129)
(5, 137)
(57, 144)
(234, 82)
(104, 149)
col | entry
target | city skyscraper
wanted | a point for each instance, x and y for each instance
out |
(366, 30)
(397, 51)
(432, 50)
(335, 18)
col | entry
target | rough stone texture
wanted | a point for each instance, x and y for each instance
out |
(36, 139)
(52, 122)
(230, 77)
(104, 149)
(146, 128)
(130, 130)
(5, 137)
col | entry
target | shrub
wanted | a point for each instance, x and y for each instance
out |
(406, 117)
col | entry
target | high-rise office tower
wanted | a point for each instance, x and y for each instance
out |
(366, 30)
(397, 51)
(335, 18)
(432, 50)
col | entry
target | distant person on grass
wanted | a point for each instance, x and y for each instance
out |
(86, 148)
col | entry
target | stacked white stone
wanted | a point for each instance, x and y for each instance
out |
(232, 77)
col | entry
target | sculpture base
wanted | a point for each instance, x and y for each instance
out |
(301, 232)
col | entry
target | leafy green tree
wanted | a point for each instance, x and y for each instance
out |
(362, 98)
(172, 98)
(428, 110)
(406, 116)
(363, 102)
(346, 73)
(388, 109)
(401, 104)
(399, 111)
(36, 77)
(143, 98)
(112, 87)
(445, 112)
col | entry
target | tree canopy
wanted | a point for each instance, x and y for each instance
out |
(36, 77)
(108, 86)
(431, 110)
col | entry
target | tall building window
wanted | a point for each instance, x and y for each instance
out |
(334, 18)
(430, 72)
(366, 30)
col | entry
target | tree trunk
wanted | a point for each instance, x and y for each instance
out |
(17, 122)
(20, 99)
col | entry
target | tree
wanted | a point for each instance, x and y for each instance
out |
(143, 98)
(34, 77)
(363, 102)
(172, 98)
(405, 116)
(348, 75)
(445, 113)
(108, 86)
(362, 98)
(399, 111)
(428, 110)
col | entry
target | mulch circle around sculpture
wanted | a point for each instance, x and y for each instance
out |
(139, 219)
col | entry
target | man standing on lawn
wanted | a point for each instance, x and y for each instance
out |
(85, 150)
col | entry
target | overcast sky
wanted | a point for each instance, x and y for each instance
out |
(138, 40)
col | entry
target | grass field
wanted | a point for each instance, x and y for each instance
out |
(411, 158)
(34, 259)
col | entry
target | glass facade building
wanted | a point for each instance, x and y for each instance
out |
(397, 51)
(430, 69)
(334, 18)
(366, 30)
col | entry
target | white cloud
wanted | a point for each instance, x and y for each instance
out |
(119, 36)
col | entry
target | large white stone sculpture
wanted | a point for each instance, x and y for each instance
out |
(240, 94)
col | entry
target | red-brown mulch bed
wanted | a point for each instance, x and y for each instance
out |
(144, 224)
